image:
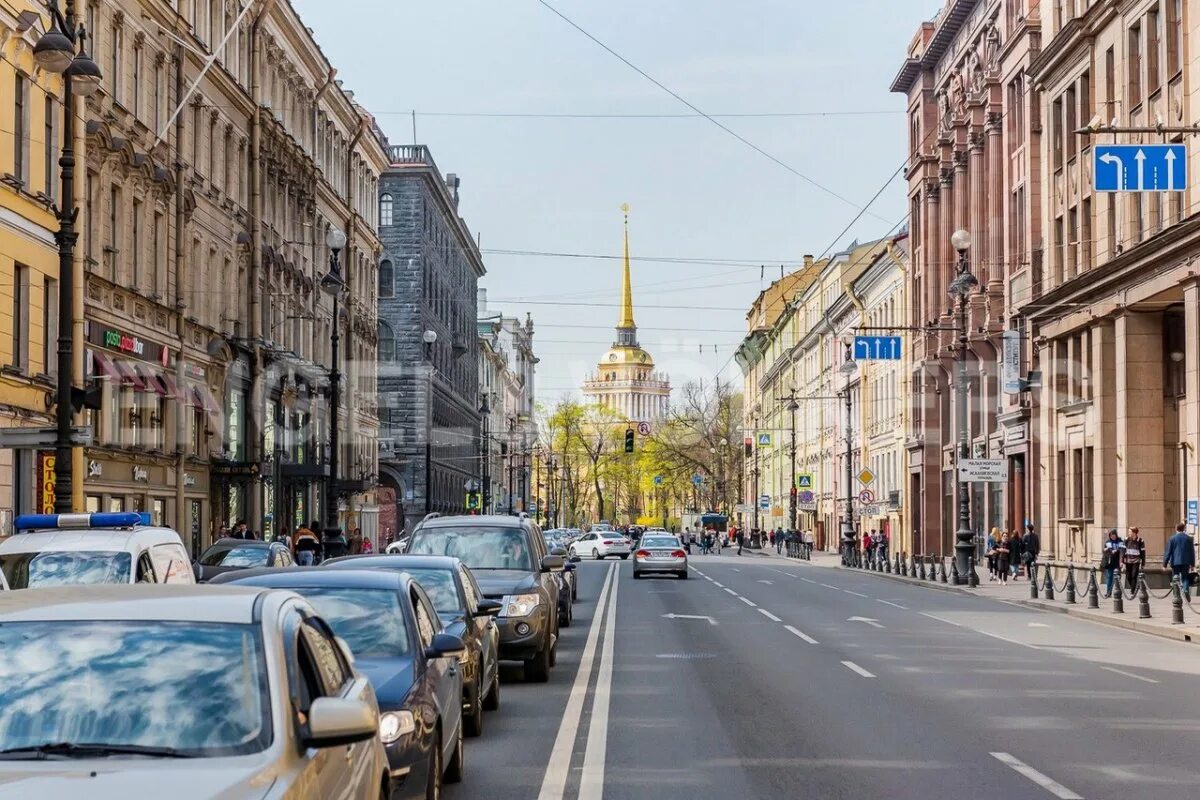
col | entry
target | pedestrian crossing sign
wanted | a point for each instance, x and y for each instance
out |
(804, 480)
(764, 440)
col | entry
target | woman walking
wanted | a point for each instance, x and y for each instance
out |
(1002, 554)
(1135, 557)
(993, 539)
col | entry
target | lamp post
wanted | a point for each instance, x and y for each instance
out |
(848, 535)
(485, 445)
(754, 472)
(61, 50)
(334, 285)
(793, 405)
(428, 338)
(960, 289)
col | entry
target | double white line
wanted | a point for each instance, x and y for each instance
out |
(591, 787)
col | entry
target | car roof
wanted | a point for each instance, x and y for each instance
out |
(179, 602)
(307, 577)
(492, 520)
(396, 561)
(232, 542)
(118, 539)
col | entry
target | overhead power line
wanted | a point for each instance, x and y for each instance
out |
(628, 115)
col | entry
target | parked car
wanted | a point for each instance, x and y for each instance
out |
(392, 629)
(600, 545)
(465, 612)
(183, 692)
(508, 557)
(227, 555)
(660, 554)
(66, 549)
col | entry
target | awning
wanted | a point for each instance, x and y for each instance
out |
(129, 375)
(151, 378)
(173, 390)
(202, 398)
(103, 367)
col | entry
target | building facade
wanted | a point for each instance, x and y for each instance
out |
(625, 381)
(429, 356)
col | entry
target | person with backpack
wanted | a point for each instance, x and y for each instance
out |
(1135, 556)
(1110, 560)
(1180, 556)
(1031, 548)
(308, 547)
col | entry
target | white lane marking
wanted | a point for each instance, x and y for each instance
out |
(673, 615)
(894, 605)
(790, 575)
(1038, 625)
(591, 784)
(808, 580)
(735, 569)
(1049, 784)
(827, 586)
(710, 580)
(554, 782)
(748, 602)
(939, 619)
(769, 615)
(731, 591)
(718, 584)
(1130, 675)
(1006, 639)
(856, 594)
(768, 583)
(850, 665)
(874, 623)
(801, 634)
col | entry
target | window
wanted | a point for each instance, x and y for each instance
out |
(427, 621)
(1174, 36)
(385, 210)
(1133, 65)
(1077, 483)
(1016, 112)
(1056, 133)
(89, 216)
(158, 96)
(1110, 83)
(1088, 484)
(1085, 240)
(1072, 264)
(326, 656)
(387, 344)
(20, 312)
(1061, 472)
(1114, 246)
(114, 229)
(115, 43)
(156, 255)
(21, 128)
(137, 81)
(1153, 37)
(387, 286)
(135, 247)
(1070, 125)
(50, 147)
(50, 326)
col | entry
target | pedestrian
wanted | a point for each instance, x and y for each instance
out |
(1110, 560)
(884, 542)
(741, 541)
(307, 547)
(718, 536)
(223, 531)
(284, 537)
(334, 544)
(868, 546)
(1031, 548)
(779, 540)
(1180, 556)
(1015, 555)
(809, 541)
(993, 540)
(354, 542)
(1135, 556)
(1002, 554)
(367, 547)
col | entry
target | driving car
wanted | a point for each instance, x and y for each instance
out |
(464, 611)
(392, 630)
(186, 692)
(64, 549)
(226, 555)
(601, 545)
(508, 557)
(660, 554)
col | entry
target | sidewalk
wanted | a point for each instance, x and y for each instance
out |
(1017, 593)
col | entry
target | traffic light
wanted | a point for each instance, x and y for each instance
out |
(629, 441)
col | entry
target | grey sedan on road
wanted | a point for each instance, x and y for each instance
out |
(660, 554)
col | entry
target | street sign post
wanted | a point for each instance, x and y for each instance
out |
(764, 502)
(804, 480)
(1193, 512)
(38, 438)
(983, 470)
(658, 480)
(877, 348)
(1140, 167)
(764, 440)
(866, 477)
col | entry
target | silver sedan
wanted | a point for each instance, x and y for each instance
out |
(660, 554)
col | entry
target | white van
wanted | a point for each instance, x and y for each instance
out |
(68, 549)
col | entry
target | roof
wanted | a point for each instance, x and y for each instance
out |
(395, 561)
(492, 520)
(179, 602)
(308, 578)
(115, 539)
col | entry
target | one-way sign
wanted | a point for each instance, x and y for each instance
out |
(1140, 167)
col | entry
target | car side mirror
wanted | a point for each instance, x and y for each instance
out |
(196, 571)
(575, 559)
(558, 551)
(445, 645)
(336, 721)
(552, 564)
(490, 608)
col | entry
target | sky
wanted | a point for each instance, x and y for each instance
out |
(491, 80)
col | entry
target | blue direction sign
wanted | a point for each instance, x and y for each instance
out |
(1193, 512)
(658, 480)
(764, 502)
(697, 479)
(880, 348)
(1140, 167)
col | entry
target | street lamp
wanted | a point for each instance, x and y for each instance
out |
(486, 449)
(960, 289)
(792, 406)
(428, 338)
(333, 285)
(848, 368)
(61, 50)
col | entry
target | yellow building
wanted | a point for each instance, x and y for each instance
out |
(30, 131)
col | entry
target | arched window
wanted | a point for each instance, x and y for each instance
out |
(386, 279)
(385, 209)
(387, 343)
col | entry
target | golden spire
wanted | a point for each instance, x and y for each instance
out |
(626, 321)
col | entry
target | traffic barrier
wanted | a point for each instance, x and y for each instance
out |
(1093, 590)
(1049, 582)
(1143, 598)
(1118, 595)
(1032, 569)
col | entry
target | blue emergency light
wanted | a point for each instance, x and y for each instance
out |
(116, 519)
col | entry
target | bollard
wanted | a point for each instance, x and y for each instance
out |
(1118, 595)
(1033, 584)
(1143, 598)
(1176, 602)
(1070, 584)
(904, 567)
(1049, 582)
(972, 575)
(944, 578)
(888, 566)
(922, 563)
(932, 570)
(1093, 590)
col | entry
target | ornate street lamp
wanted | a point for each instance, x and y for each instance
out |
(848, 368)
(960, 289)
(333, 285)
(428, 338)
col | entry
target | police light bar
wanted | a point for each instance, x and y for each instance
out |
(118, 519)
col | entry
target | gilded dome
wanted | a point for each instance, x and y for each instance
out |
(626, 355)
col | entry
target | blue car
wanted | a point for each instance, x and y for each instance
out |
(467, 615)
(392, 629)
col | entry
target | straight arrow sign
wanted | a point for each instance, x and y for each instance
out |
(1140, 158)
(1170, 159)
(710, 620)
(874, 623)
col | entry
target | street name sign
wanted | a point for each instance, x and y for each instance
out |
(1140, 167)
(983, 470)
(807, 505)
(35, 438)
(877, 348)
(1193, 512)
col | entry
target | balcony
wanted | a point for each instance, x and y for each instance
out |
(411, 155)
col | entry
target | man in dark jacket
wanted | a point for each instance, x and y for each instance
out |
(1180, 556)
(334, 544)
(1031, 546)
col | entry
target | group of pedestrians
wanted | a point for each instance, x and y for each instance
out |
(1119, 555)
(1008, 551)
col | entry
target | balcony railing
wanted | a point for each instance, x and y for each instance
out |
(411, 155)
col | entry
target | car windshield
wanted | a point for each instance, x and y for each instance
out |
(477, 547)
(369, 620)
(65, 567)
(232, 555)
(442, 590)
(199, 688)
(659, 541)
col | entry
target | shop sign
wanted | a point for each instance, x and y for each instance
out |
(129, 344)
(141, 474)
(45, 481)
(95, 469)
(126, 344)
(1010, 365)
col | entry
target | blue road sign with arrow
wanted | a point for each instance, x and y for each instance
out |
(879, 348)
(1140, 167)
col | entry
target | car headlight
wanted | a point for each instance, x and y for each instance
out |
(519, 605)
(394, 724)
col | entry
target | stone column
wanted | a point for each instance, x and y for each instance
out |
(981, 250)
(936, 293)
(996, 270)
(1189, 423)
(1104, 436)
(924, 311)
(962, 198)
(1139, 427)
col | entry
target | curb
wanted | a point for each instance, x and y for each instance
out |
(1181, 633)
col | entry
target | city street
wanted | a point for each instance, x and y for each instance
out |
(764, 678)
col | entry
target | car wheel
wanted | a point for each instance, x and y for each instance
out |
(565, 617)
(537, 669)
(433, 783)
(683, 575)
(473, 719)
(637, 576)
(595, 554)
(574, 591)
(457, 765)
(625, 557)
(492, 701)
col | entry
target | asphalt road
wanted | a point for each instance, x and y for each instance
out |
(758, 678)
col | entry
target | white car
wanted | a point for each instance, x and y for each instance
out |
(601, 544)
(66, 549)
(187, 692)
